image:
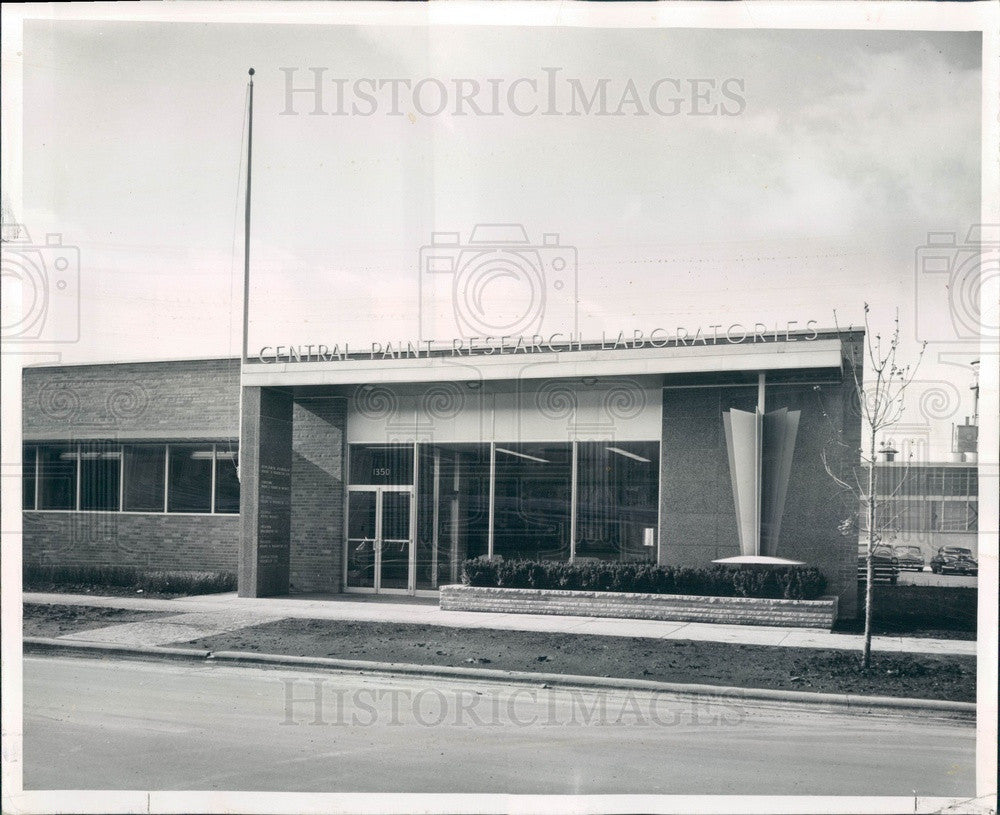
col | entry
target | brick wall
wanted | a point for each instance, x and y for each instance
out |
(317, 502)
(680, 608)
(195, 399)
(145, 540)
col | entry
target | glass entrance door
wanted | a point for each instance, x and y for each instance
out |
(378, 539)
(394, 549)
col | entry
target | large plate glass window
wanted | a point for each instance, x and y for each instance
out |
(452, 512)
(617, 500)
(57, 469)
(190, 478)
(531, 514)
(28, 476)
(145, 473)
(227, 485)
(100, 476)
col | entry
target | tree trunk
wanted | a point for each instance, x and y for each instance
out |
(866, 656)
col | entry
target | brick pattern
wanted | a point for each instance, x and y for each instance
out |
(153, 540)
(698, 517)
(192, 399)
(678, 608)
(148, 400)
(317, 502)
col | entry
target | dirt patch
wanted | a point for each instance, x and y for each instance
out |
(45, 620)
(100, 590)
(750, 666)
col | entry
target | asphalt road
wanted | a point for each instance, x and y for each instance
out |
(93, 724)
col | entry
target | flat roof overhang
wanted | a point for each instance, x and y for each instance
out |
(720, 358)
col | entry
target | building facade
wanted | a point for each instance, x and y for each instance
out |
(928, 505)
(383, 472)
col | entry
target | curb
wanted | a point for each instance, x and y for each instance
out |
(852, 702)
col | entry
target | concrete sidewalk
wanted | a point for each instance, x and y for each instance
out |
(216, 613)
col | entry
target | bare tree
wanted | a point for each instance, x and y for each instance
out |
(880, 397)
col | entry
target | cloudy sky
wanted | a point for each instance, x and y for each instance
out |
(808, 187)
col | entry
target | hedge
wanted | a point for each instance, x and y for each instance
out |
(36, 576)
(909, 608)
(788, 582)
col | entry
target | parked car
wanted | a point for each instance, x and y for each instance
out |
(909, 557)
(885, 565)
(954, 560)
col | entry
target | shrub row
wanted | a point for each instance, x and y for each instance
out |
(173, 582)
(913, 607)
(788, 582)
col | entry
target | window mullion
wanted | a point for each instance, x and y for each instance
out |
(574, 471)
(79, 478)
(215, 463)
(492, 491)
(166, 477)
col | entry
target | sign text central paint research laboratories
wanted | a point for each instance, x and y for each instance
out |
(537, 344)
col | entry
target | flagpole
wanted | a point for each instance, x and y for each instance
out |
(246, 272)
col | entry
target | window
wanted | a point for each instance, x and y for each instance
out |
(531, 506)
(617, 500)
(955, 516)
(145, 473)
(974, 516)
(457, 476)
(935, 481)
(189, 469)
(227, 486)
(100, 476)
(28, 476)
(913, 517)
(57, 476)
(519, 495)
(382, 464)
(955, 482)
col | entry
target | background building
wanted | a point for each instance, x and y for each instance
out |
(928, 505)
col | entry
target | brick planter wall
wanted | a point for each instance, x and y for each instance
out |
(675, 607)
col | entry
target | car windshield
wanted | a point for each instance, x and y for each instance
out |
(956, 550)
(908, 550)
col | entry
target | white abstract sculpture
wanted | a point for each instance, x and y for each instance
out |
(760, 447)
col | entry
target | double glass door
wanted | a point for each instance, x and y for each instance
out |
(378, 538)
